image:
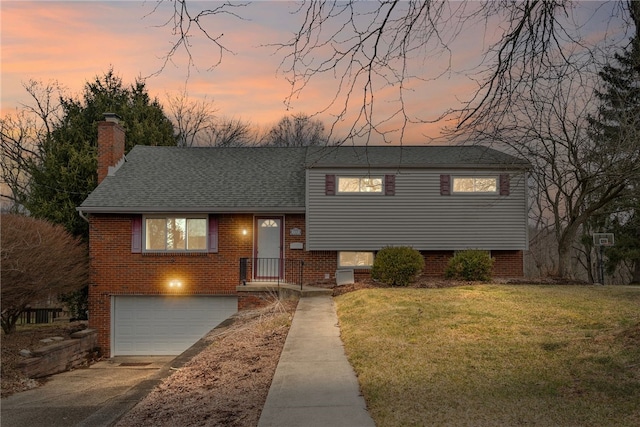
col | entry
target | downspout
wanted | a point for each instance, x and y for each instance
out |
(82, 215)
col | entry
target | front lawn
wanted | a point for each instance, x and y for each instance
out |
(489, 355)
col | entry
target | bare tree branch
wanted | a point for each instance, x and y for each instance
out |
(186, 24)
(191, 119)
(298, 130)
(21, 138)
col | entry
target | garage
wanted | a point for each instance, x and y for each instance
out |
(165, 325)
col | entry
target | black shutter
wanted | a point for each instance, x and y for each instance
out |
(390, 185)
(445, 185)
(213, 234)
(136, 234)
(330, 185)
(504, 184)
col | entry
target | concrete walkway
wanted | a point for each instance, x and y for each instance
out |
(314, 384)
(90, 397)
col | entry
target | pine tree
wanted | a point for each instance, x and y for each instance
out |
(616, 129)
(65, 171)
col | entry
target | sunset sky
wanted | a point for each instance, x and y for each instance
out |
(74, 41)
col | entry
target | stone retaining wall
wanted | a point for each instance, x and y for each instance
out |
(62, 356)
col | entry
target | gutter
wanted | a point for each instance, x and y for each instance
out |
(185, 210)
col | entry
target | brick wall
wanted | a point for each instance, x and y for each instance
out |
(508, 263)
(435, 262)
(117, 271)
(317, 264)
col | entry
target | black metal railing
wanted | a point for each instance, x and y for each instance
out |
(273, 270)
(39, 315)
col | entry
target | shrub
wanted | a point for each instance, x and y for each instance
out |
(397, 266)
(39, 259)
(470, 264)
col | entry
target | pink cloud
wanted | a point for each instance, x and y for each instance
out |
(73, 42)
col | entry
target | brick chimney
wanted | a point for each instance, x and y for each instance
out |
(110, 144)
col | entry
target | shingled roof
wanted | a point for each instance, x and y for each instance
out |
(455, 156)
(172, 179)
(257, 179)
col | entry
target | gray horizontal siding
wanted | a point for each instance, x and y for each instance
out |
(416, 216)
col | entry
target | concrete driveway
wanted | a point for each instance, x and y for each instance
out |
(95, 396)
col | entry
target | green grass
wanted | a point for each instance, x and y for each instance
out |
(496, 355)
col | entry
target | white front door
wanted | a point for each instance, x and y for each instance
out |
(268, 248)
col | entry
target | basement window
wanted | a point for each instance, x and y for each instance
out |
(355, 259)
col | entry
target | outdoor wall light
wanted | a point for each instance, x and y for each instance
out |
(244, 232)
(175, 284)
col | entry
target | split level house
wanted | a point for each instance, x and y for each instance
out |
(177, 234)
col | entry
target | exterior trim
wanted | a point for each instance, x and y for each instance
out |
(189, 210)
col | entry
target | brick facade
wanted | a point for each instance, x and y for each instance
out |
(115, 270)
(111, 138)
(507, 263)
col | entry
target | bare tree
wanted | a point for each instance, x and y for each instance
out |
(196, 124)
(572, 174)
(377, 53)
(17, 147)
(230, 132)
(21, 136)
(191, 119)
(39, 259)
(298, 130)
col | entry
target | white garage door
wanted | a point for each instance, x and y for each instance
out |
(168, 325)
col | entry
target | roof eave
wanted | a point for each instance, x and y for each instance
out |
(199, 209)
(500, 166)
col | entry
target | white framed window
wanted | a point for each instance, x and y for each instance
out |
(360, 184)
(355, 259)
(175, 233)
(475, 184)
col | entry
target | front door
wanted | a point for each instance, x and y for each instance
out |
(268, 248)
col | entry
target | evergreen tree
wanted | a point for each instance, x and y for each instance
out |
(65, 171)
(617, 128)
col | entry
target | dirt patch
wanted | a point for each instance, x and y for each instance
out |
(430, 282)
(421, 282)
(227, 383)
(28, 338)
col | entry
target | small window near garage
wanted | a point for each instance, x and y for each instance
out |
(355, 184)
(355, 259)
(475, 184)
(175, 234)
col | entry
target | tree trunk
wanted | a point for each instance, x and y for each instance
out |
(565, 244)
(9, 323)
(635, 276)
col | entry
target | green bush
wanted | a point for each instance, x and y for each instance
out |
(397, 266)
(471, 264)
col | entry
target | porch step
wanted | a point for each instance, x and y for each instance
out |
(306, 291)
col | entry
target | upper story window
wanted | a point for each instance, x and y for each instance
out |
(175, 234)
(351, 184)
(355, 259)
(475, 184)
